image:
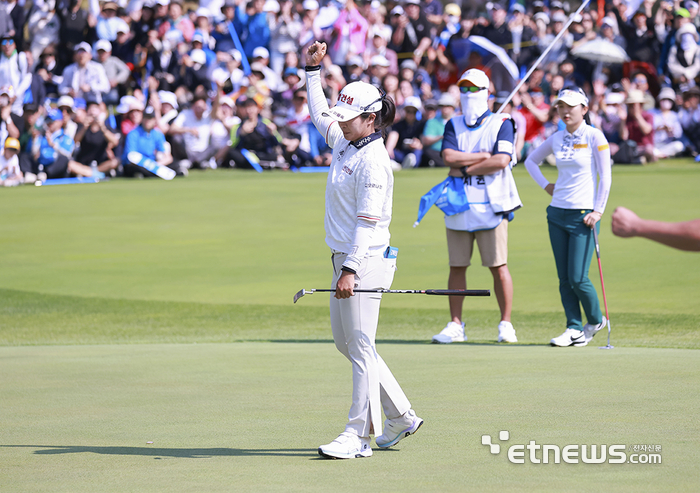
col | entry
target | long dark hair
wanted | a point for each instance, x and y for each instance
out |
(385, 116)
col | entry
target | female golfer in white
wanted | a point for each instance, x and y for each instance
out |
(581, 153)
(358, 212)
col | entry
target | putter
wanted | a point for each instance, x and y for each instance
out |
(602, 284)
(438, 292)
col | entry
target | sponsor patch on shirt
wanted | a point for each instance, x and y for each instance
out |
(580, 146)
(373, 185)
(347, 170)
(603, 147)
(505, 146)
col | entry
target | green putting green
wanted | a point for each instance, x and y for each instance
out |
(137, 311)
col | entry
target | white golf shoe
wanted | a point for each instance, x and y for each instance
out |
(506, 332)
(590, 330)
(346, 446)
(570, 337)
(397, 429)
(453, 332)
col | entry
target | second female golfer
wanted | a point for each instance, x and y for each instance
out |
(358, 212)
(578, 201)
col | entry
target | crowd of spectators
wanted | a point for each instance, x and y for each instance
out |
(84, 85)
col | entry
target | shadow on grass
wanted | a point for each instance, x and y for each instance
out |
(157, 453)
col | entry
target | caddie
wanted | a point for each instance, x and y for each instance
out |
(479, 146)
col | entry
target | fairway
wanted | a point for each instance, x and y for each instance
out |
(151, 311)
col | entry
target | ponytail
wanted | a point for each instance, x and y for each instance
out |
(385, 116)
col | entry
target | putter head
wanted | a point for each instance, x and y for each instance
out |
(607, 347)
(299, 295)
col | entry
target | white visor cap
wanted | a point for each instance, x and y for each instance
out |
(355, 98)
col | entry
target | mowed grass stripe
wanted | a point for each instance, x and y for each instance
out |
(40, 319)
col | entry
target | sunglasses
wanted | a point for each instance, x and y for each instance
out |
(6, 42)
(465, 90)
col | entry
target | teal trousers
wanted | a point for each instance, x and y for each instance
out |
(573, 246)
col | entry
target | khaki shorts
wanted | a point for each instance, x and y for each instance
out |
(492, 243)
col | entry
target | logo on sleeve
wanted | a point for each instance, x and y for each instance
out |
(373, 185)
(505, 146)
(347, 170)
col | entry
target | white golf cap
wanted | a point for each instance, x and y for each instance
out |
(203, 12)
(198, 56)
(615, 98)
(398, 10)
(607, 21)
(355, 98)
(227, 101)
(261, 52)
(476, 77)
(379, 60)
(236, 55)
(446, 99)
(271, 6)
(121, 26)
(356, 61)
(572, 97)
(412, 102)
(128, 103)
(541, 16)
(104, 45)
(83, 46)
(667, 93)
(310, 5)
(168, 98)
(65, 100)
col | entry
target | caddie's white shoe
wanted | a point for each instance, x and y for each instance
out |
(506, 332)
(570, 337)
(453, 332)
(397, 429)
(346, 446)
(590, 330)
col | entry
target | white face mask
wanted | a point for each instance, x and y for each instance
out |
(474, 104)
(665, 104)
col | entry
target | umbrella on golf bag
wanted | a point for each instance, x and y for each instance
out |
(503, 71)
(601, 50)
(449, 196)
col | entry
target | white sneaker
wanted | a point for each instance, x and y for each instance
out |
(506, 332)
(397, 429)
(453, 332)
(570, 337)
(346, 446)
(590, 330)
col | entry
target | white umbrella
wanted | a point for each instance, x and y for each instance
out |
(601, 50)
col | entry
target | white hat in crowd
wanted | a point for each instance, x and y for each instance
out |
(168, 98)
(261, 52)
(310, 5)
(271, 6)
(446, 99)
(355, 98)
(667, 93)
(615, 98)
(84, 46)
(103, 45)
(635, 96)
(203, 12)
(128, 103)
(65, 101)
(379, 61)
(198, 56)
(412, 102)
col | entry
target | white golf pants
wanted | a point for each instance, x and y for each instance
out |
(354, 323)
